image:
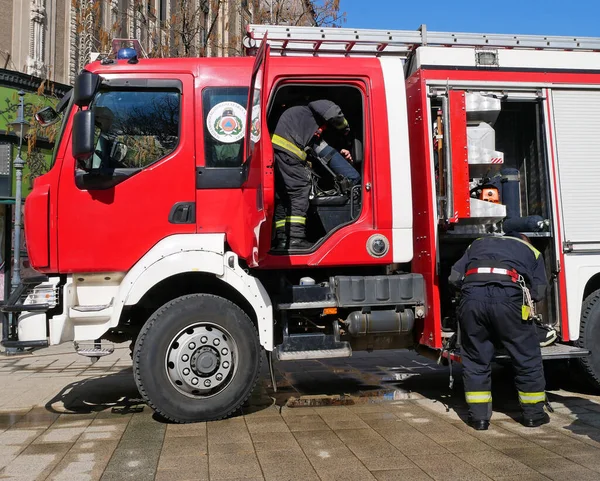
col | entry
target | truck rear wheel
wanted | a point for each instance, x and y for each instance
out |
(197, 359)
(589, 338)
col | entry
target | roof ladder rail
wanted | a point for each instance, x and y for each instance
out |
(285, 40)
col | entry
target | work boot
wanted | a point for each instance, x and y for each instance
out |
(293, 243)
(546, 334)
(535, 422)
(479, 424)
(297, 243)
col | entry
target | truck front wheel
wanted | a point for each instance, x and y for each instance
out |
(197, 359)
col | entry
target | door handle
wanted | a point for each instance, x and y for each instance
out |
(183, 213)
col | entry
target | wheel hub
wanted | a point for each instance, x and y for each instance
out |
(200, 361)
(205, 361)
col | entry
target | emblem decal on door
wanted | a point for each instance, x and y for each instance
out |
(225, 122)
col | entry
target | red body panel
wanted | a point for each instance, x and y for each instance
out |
(460, 160)
(37, 227)
(424, 261)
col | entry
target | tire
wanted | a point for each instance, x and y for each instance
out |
(589, 338)
(179, 366)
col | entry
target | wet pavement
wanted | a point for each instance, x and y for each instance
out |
(380, 416)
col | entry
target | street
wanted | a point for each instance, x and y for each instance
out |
(381, 416)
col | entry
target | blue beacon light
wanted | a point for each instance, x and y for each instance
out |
(126, 53)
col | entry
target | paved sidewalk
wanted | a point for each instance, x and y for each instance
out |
(379, 416)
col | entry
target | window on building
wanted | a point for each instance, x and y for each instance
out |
(163, 10)
(135, 128)
(224, 115)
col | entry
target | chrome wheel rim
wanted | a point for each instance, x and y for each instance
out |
(200, 360)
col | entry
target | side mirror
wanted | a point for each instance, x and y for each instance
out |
(47, 116)
(86, 86)
(83, 135)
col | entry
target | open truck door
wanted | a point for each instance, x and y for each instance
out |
(258, 190)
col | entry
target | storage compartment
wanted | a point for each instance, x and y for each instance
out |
(514, 192)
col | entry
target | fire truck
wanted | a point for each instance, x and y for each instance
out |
(154, 223)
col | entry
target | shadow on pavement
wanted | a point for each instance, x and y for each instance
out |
(117, 392)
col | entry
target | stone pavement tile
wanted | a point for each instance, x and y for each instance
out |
(590, 461)
(530, 477)
(58, 449)
(521, 454)
(183, 430)
(550, 466)
(398, 461)
(73, 421)
(60, 435)
(412, 442)
(6, 459)
(310, 422)
(281, 466)
(113, 420)
(183, 467)
(79, 467)
(103, 433)
(463, 444)
(184, 446)
(138, 452)
(132, 463)
(349, 436)
(448, 466)
(287, 412)
(275, 442)
(36, 418)
(134, 475)
(495, 463)
(378, 416)
(266, 425)
(262, 411)
(19, 437)
(233, 430)
(348, 469)
(563, 444)
(234, 467)
(369, 408)
(99, 448)
(313, 442)
(32, 467)
(367, 448)
(409, 474)
(8, 419)
(578, 473)
(345, 423)
(231, 448)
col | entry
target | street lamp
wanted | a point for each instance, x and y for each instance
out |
(19, 163)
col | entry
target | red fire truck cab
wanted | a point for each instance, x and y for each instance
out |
(155, 222)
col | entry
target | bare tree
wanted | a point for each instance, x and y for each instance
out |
(325, 13)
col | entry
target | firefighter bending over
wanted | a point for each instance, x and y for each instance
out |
(495, 275)
(296, 135)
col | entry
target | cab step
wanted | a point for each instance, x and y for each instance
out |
(314, 354)
(93, 350)
(554, 351)
(312, 346)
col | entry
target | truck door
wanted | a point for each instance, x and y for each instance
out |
(258, 190)
(133, 191)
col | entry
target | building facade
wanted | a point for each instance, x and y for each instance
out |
(54, 39)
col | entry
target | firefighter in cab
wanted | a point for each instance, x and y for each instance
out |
(297, 137)
(499, 279)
